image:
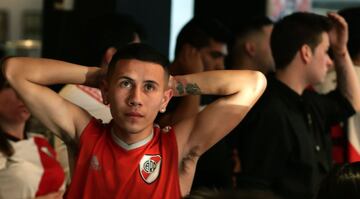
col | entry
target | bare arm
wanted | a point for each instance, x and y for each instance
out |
(240, 89)
(30, 77)
(347, 79)
(195, 135)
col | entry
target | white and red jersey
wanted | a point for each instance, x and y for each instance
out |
(353, 136)
(31, 171)
(87, 98)
(107, 167)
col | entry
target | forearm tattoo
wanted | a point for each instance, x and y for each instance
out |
(192, 89)
(180, 88)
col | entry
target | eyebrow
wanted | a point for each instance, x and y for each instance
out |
(152, 82)
(217, 53)
(131, 79)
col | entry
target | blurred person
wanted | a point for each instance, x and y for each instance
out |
(28, 166)
(284, 143)
(348, 146)
(251, 48)
(207, 35)
(130, 157)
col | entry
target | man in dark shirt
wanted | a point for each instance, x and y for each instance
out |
(283, 142)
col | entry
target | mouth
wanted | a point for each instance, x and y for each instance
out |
(134, 115)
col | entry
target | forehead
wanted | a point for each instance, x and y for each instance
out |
(216, 46)
(325, 41)
(139, 70)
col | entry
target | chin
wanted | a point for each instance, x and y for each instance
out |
(133, 128)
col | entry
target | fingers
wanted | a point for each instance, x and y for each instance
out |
(337, 19)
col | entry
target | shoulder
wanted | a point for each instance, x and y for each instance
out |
(167, 132)
(270, 103)
(93, 130)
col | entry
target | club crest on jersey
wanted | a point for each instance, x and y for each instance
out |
(150, 167)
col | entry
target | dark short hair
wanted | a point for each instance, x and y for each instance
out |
(352, 17)
(294, 31)
(139, 51)
(343, 181)
(254, 24)
(198, 32)
(243, 29)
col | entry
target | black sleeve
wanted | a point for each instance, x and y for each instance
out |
(333, 106)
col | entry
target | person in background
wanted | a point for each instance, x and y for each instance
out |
(251, 47)
(284, 143)
(346, 147)
(28, 165)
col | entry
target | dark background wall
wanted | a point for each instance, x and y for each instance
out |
(63, 31)
(230, 12)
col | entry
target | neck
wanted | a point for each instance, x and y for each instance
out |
(243, 63)
(292, 78)
(16, 130)
(131, 137)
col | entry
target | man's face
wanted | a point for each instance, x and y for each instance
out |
(136, 92)
(320, 62)
(263, 56)
(213, 55)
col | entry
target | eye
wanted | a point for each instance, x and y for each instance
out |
(149, 87)
(125, 84)
(216, 55)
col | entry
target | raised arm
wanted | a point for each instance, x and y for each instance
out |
(347, 79)
(240, 90)
(30, 77)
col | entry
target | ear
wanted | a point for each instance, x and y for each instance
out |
(104, 87)
(166, 98)
(250, 48)
(108, 56)
(306, 53)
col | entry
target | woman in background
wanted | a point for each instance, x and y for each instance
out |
(28, 168)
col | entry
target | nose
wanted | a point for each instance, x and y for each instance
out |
(220, 65)
(135, 97)
(329, 63)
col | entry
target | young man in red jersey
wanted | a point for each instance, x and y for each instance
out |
(130, 157)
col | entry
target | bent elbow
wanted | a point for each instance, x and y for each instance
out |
(356, 106)
(8, 68)
(260, 82)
